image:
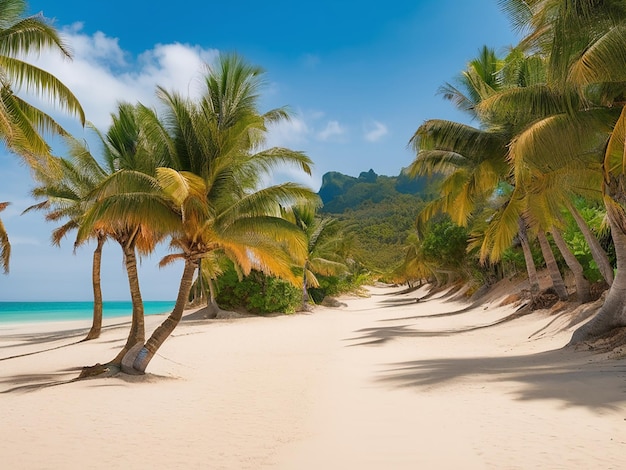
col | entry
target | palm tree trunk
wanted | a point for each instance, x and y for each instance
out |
(597, 252)
(213, 309)
(305, 293)
(96, 326)
(582, 284)
(137, 333)
(528, 258)
(553, 268)
(612, 314)
(165, 329)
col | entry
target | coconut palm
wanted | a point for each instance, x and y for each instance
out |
(324, 247)
(473, 161)
(415, 266)
(66, 186)
(20, 122)
(522, 100)
(586, 45)
(129, 172)
(214, 163)
(5, 246)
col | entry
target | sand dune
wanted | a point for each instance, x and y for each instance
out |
(384, 383)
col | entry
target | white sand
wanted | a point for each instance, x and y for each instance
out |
(375, 385)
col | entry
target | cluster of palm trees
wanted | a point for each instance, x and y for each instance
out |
(552, 129)
(190, 174)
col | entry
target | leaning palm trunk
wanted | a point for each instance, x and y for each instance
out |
(96, 326)
(612, 314)
(553, 268)
(597, 252)
(137, 333)
(528, 258)
(582, 284)
(165, 329)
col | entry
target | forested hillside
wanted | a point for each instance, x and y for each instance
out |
(379, 211)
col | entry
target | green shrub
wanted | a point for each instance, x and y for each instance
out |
(257, 293)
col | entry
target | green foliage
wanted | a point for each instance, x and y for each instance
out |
(445, 243)
(594, 216)
(380, 230)
(338, 285)
(513, 262)
(257, 293)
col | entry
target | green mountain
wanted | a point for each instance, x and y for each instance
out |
(379, 210)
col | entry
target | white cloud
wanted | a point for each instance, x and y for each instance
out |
(101, 74)
(333, 129)
(375, 132)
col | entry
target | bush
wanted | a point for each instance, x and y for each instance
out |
(445, 243)
(257, 293)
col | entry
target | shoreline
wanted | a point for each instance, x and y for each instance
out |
(17, 313)
(386, 382)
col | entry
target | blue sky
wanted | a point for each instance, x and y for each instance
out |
(358, 80)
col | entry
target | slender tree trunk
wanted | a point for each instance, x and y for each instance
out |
(528, 257)
(553, 268)
(597, 252)
(582, 284)
(211, 299)
(165, 329)
(137, 333)
(96, 325)
(213, 309)
(201, 287)
(612, 314)
(305, 293)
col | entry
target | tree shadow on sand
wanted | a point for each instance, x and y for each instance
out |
(29, 339)
(379, 335)
(576, 379)
(34, 382)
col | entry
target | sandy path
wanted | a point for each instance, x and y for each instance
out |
(381, 384)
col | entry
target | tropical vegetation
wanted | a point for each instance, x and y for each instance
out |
(536, 182)
(22, 125)
(552, 121)
(204, 193)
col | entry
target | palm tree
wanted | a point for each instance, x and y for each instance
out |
(521, 77)
(209, 183)
(20, 122)
(126, 205)
(583, 288)
(474, 161)
(66, 187)
(586, 48)
(415, 266)
(324, 247)
(5, 246)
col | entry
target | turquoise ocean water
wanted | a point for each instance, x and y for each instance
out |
(21, 312)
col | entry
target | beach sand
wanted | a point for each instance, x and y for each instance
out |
(385, 383)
